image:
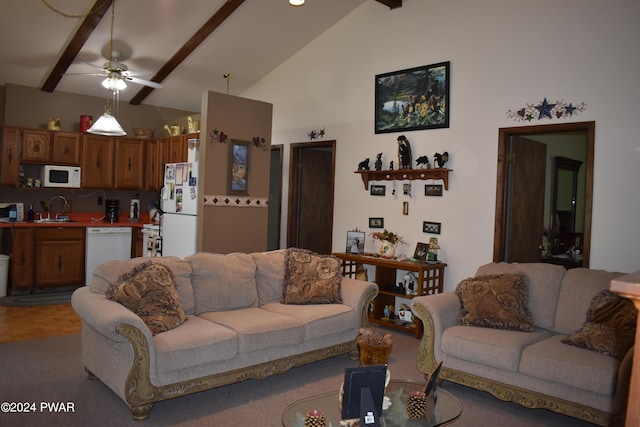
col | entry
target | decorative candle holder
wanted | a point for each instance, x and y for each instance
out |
(314, 418)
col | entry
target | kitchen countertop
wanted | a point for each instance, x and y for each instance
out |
(83, 220)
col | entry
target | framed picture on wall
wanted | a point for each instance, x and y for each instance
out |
(376, 222)
(238, 178)
(412, 99)
(431, 227)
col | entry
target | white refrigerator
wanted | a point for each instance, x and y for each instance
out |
(179, 203)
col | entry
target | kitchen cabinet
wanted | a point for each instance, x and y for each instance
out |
(36, 146)
(60, 256)
(11, 141)
(66, 148)
(22, 256)
(157, 155)
(136, 242)
(177, 149)
(97, 161)
(129, 164)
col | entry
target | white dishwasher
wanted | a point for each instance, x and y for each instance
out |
(106, 244)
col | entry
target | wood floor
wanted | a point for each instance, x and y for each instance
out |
(28, 323)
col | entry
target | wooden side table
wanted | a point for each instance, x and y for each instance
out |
(430, 281)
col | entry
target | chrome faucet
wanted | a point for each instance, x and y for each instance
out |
(64, 205)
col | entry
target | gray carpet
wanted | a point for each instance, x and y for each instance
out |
(49, 370)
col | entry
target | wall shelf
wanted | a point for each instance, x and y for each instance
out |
(402, 174)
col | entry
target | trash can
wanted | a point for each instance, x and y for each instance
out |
(4, 273)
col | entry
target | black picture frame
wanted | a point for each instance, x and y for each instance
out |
(376, 222)
(370, 379)
(431, 227)
(238, 168)
(421, 251)
(413, 99)
(378, 190)
(433, 190)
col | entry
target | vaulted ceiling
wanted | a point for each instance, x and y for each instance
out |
(186, 45)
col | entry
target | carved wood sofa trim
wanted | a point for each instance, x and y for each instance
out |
(529, 399)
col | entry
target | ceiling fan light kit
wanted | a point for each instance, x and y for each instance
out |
(296, 2)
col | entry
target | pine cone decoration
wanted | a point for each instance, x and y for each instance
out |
(418, 404)
(314, 418)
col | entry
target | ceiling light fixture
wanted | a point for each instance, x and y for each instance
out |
(296, 2)
(107, 124)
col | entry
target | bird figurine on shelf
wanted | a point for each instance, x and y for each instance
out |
(441, 159)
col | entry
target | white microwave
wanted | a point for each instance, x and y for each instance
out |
(61, 176)
(11, 212)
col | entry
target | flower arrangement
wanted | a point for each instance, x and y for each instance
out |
(388, 236)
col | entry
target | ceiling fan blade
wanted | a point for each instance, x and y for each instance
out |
(144, 82)
(97, 67)
(85, 74)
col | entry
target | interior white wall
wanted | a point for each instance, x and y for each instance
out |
(503, 55)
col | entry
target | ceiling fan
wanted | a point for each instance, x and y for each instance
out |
(116, 74)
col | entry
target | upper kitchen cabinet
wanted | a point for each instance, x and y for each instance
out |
(66, 148)
(177, 149)
(11, 138)
(129, 166)
(97, 161)
(157, 155)
(36, 146)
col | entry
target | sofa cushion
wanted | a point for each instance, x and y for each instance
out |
(498, 348)
(579, 286)
(311, 278)
(149, 292)
(319, 320)
(269, 275)
(545, 281)
(610, 326)
(259, 329)
(223, 282)
(551, 360)
(495, 301)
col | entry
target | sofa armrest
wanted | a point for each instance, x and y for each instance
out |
(437, 312)
(105, 316)
(358, 294)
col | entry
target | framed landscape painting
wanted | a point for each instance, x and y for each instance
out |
(238, 179)
(412, 99)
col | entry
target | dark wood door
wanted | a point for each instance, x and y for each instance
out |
(311, 184)
(526, 200)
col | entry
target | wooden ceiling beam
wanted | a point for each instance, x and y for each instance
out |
(201, 35)
(81, 36)
(393, 4)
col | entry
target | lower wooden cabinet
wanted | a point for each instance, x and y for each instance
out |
(47, 257)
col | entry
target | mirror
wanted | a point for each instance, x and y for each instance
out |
(564, 204)
(560, 142)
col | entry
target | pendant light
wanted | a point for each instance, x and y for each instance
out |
(107, 124)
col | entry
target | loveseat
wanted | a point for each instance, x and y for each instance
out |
(534, 369)
(234, 317)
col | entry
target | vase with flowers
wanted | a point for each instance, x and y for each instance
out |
(388, 242)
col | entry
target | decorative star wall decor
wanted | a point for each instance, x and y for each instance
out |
(316, 134)
(218, 136)
(546, 109)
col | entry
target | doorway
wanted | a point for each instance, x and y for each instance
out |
(275, 198)
(505, 217)
(311, 187)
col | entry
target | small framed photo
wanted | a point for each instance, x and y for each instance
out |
(238, 175)
(376, 222)
(433, 190)
(405, 208)
(431, 227)
(378, 190)
(421, 251)
(355, 242)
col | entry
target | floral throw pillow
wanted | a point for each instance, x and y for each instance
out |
(311, 278)
(610, 326)
(149, 292)
(498, 301)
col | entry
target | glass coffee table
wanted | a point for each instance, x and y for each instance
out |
(447, 408)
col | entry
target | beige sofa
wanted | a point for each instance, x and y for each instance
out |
(236, 327)
(534, 369)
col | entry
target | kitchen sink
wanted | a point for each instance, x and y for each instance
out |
(52, 220)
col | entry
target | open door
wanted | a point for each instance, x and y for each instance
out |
(527, 168)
